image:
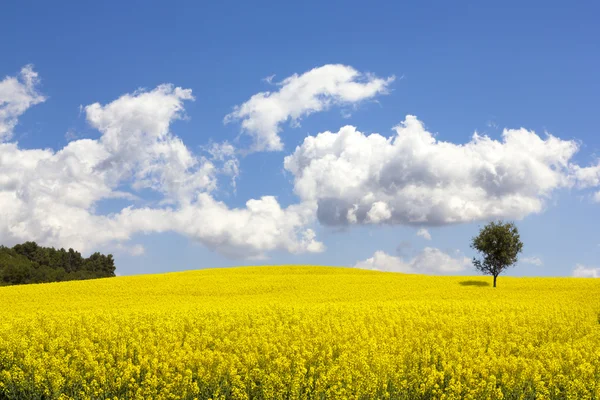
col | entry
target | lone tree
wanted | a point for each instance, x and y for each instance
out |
(500, 244)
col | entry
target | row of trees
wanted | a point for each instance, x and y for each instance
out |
(30, 263)
(498, 242)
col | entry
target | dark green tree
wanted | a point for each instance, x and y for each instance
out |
(14, 267)
(499, 244)
(31, 263)
(27, 249)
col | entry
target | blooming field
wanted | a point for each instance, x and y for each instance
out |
(301, 332)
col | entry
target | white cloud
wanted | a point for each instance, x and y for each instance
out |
(299, 96)
(381, 261)
(135, 134)
(428, 261)
(262, 226)
(135, 250)
(221, 151)
(224, 153)
(425, 181)
(17, 94)
(424, 233)
(269, 79)
(432, 260)
(532, 260)
(51, 196)
(581, 271)
(379, 212)
(587, 177)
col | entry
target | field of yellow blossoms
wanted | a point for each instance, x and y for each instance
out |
(301, 333)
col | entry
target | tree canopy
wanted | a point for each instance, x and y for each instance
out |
(500, 244)
(30, 263)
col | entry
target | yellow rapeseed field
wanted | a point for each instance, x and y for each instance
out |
(301, 333)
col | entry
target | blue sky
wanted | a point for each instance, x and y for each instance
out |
(459, 68)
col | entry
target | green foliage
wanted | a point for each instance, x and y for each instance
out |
(30, 263)
(500, 244)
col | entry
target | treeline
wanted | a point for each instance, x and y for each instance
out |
(30, 263)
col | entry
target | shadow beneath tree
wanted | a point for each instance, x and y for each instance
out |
(474, 283)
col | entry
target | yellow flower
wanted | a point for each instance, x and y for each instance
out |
(300, 333)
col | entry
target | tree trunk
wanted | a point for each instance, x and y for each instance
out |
(495, 276)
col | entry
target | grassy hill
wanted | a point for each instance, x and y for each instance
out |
(301, 332)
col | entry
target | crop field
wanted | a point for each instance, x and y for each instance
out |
(301, 333)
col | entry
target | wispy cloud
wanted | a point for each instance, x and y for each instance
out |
(424, 233)
(302, 95)
(532, 260)
(582, 271)
(17, 94)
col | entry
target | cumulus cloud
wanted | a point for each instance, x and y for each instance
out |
(250, 232)
(413, 178)
(532, 260)
(424, 233)
(301, 95)
(582, 271)
(428, 261)
(17, 94)
(141, 150)
(51, 196)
